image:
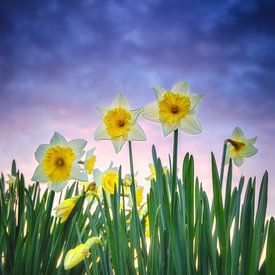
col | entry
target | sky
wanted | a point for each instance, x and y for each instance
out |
(60, 59)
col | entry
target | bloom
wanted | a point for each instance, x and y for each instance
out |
(139, 196)
(119, 123)
(79, 253)
(153, 172)
(58, 162)
(240, 147)
(89, 162)
(64, 209)
(107, 179)
(175, 109)
(11, 181)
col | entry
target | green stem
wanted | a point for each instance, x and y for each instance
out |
(175, 168)
(223, 161)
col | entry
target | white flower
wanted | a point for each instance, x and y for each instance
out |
(90, 160)
(11, 181)
(175, 109)
(240, 147)
(119, 123)
(58, 162)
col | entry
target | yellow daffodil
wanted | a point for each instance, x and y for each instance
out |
(139, 196)
(79, 253)
(64, 209)
(119, 123)
(175, 109)
(89, 162)
(58, 162)
(11, 181)
(239, 147)
(147, 227)
(153, 172)
(107, 179)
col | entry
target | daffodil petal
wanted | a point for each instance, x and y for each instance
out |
(237, 134)
(136, 133)
(77, 174)
(151, 112)
(74, 257)
(253, 140)
(101, 133)
(135, 113)
(249, 151)
(58, 139)
(168, 128)
(120, 101)
(195, 102)
(181, 87)
(97, 176)
(39, 175)
(78, 145)
(191, 125)
(57, 186)
(90, 153)
(102, 111)
(159, 92)
(118, 143)
(238, 161)
(41, 151)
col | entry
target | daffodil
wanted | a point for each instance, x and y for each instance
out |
(139, 196)
(175, 109)
(153, 171)
(89, 162)
(64, 209)
(119, 123)
(11, 181)
(107, 179)
(240, 147)
(79, 253)
(147, 227)
(58, 162)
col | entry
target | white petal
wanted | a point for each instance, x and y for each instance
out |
(101, 133)
(102, 111)
(195, 102)
(41, 151)
(78, 145)
(253, 140)
(118, 143)
(151, 112)
(136, 133)
(135, 113)
(58, 139)
(77, 174)
(90, 153)
(159, 92)
(238, 161)
(168, 128)
(249, 151)
(237, 134)
(97, 176)
(120, 101)
(39, 174)
(191, 125)
(181, 87)
(57, 186)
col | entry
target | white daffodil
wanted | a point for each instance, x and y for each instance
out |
(139, 196)
(89, 162)
(240, 147)
(154, 173)
(175, 109)
(107, 179)
(119, 123)
(58, 162)
(11, 180)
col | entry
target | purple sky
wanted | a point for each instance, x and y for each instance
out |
(59, 59)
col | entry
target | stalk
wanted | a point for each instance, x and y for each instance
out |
(223, 160)
(175, 168)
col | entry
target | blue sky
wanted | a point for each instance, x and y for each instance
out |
(59, 59)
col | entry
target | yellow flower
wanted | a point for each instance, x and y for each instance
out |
(58, 162)
(64, 209)
(139, 196)
(175, 109)
(79, 253)
(153, 172)
(240, 147)
(147, 227)
(107, 179)
(89, 162)
(119, 123)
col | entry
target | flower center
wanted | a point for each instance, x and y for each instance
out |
(173, 107)
(109, 181)
(238, 146)
(117, 122)
(58, 162)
